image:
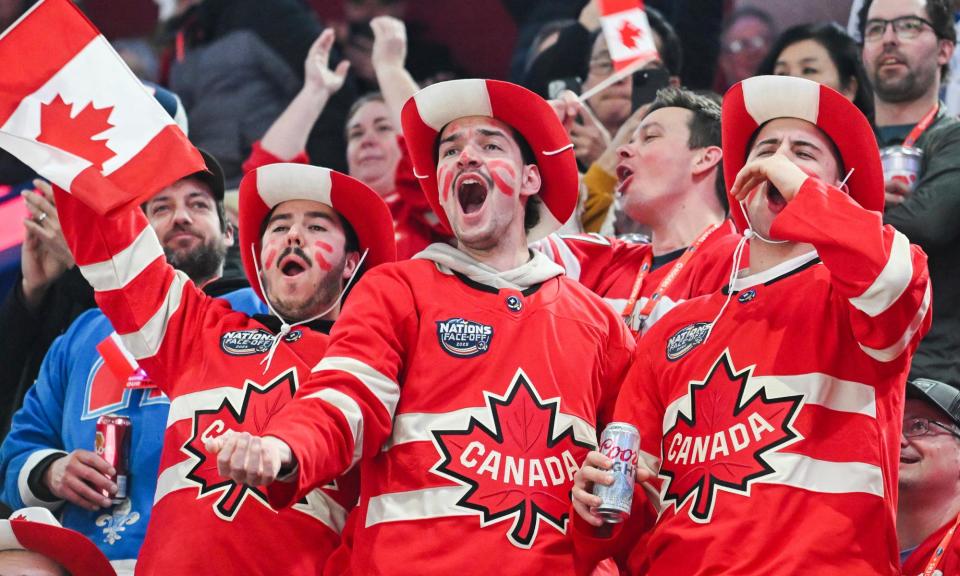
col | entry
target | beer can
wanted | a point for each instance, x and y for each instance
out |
(902, 164)
(112, 443)
(621, 443)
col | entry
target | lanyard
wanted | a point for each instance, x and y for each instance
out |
(940, 549)
(664, 284)
(922, 125)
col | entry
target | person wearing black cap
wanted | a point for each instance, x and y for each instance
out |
(929, 498)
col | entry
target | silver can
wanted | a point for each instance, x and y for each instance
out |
(621, 443)
(902, 164)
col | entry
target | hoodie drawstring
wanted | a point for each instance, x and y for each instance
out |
(286, 327)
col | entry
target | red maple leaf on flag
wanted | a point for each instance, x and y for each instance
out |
(260, 404)
(629, 34)
(518, 469)
(76, 134)
(721, 444)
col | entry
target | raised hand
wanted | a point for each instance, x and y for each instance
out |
(317, 73)
(389, 42)
(44, 255)
(776, 169)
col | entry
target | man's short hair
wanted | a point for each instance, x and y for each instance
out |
(940, 15)
(704, 124)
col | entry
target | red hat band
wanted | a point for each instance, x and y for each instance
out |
(750, 104)
(429, 110)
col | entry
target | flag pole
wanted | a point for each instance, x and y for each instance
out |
(612, 79)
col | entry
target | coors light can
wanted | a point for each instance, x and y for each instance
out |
(112, 443)
(621, 443)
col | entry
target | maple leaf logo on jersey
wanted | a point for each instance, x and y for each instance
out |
(76, 134)
(722, 439)
(260, 404)
(517, 470)
(629, 34)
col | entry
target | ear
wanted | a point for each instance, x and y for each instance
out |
(706, 160)
(850, 92)
(352, 259)
(945, 53)
(229, 234)
(531, 182)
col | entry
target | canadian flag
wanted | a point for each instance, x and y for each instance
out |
(627, 32)
(122, 363)
(72, 110)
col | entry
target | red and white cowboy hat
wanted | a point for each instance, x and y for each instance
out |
(749, 104)
(266, 187)
(429, 110)
(36, 530)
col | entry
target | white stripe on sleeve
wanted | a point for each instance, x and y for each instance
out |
(124, 266)
(892, 281)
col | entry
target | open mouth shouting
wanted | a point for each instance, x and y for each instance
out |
(775, 200)
(624, 175)
(293, 262)
(472, 190)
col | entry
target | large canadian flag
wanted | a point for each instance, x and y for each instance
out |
(627, 32)
(72, 110)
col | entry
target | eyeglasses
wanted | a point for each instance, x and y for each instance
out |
(905, 27)
(601, 66)
(738, 46)
(915, 427)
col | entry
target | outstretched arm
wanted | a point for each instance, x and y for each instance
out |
(389, 55)
(287, 136)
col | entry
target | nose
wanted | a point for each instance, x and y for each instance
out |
(889, 35)
(294, 236)
(468, 157)
(181, 214)
(625, 152)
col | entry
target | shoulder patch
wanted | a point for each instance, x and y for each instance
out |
(246, 342)
(463, 338)
(686, 339)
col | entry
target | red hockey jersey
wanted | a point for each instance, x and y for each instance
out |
(206, 359)
(778, 435)
(469, 408)
(609, 267)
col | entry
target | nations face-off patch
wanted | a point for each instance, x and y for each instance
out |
(246, 342)
(686, 339)
(463, 338)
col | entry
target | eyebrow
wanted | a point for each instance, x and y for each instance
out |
(795, 142)
(376, 120)
(289, 216)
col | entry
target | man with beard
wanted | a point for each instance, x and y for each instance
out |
(907, 46)
(305, 233)
(464, 383)
(47, 459)
(770, 410)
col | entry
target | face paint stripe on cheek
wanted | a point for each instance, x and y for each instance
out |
(323, 246)
(503, 165)
(446, 178)
(271, 257)
(322, 262)
(503, 182)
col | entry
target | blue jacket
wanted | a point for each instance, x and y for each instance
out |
(59, 415)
